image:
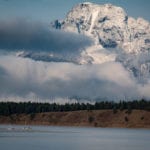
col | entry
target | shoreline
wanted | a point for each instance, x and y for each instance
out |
(63, 126)
(94, 118)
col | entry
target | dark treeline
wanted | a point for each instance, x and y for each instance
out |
(8, 108)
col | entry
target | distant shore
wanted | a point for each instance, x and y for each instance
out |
(93, 118)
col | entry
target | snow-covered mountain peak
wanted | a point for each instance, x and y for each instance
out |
(109, 26)
(117, 36)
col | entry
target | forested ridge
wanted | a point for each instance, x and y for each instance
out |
(8, 108)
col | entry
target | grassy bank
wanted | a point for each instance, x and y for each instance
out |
(93, 118)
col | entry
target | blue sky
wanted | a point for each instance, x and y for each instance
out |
(48, 10)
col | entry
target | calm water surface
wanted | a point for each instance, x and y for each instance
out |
(70, 138)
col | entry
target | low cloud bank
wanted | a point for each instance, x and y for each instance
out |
(24, 78)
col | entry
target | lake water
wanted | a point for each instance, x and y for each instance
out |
(71, 138)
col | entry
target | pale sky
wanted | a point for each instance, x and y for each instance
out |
(48, 10)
